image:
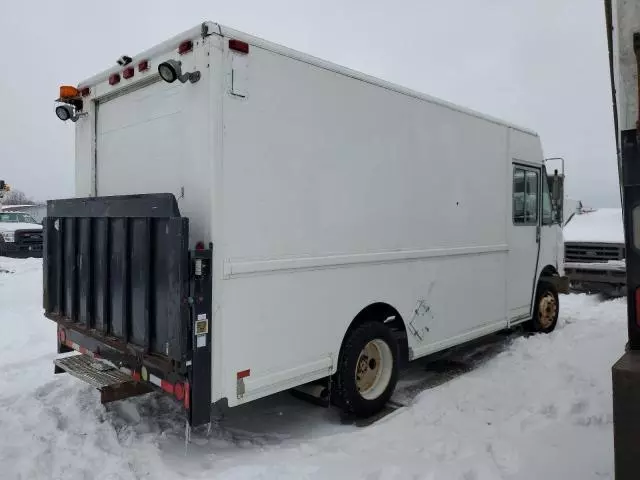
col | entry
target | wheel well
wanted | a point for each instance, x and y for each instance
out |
(548, 271)
(382, 312)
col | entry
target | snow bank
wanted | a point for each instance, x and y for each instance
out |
(602, 225)
(532, 408)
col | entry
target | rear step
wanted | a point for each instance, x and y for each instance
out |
(112, 383)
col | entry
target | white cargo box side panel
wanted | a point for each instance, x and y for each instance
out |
(339, 194)
(320, 163)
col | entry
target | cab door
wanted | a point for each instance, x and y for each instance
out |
(524, 240)
(551, 241)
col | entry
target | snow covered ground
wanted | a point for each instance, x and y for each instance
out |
(524, 408)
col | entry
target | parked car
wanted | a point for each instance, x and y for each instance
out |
(20, 235)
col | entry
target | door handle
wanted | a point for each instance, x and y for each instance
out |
(537, 233)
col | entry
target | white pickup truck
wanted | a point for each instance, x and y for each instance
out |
(595, 252)
(20, 235)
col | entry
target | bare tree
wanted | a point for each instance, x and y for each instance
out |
(15, 197)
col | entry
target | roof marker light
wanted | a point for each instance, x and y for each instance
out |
(128, 72)
(185, 47)
(239, 46)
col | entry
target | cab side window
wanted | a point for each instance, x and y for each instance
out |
(525, 196)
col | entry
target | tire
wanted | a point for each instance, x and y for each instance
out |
(367, 370)
(546, 309)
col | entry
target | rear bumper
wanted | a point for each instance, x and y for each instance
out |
(610, 278)
(142, 370)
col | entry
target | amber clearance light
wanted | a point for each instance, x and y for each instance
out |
(67, 91)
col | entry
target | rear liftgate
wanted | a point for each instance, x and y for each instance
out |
(126, 292)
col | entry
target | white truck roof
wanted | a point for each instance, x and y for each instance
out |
(600, 226)
(211, 28)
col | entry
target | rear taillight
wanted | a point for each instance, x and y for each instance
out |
(114, 79)
(62, 335)
(200, 246)
(128, 72)
(185, 47)
(178, 391)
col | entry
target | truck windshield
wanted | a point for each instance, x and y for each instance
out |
(15, 217)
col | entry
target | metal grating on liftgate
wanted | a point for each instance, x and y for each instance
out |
(93, 372)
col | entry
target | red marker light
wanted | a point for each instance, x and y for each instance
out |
(178, 391)
(128, 72)
(143, 66)
(114, 79)
(185, 47)
(85, 92)
(239, 46)
(200, 246)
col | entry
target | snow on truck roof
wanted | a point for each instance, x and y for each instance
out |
(209, 28)
(600, 226)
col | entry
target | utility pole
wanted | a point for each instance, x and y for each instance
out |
(623, 38)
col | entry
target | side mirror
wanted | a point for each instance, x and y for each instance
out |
(557, 197)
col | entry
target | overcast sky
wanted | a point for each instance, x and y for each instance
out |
(541, 64)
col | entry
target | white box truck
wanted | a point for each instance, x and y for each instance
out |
(250, 219)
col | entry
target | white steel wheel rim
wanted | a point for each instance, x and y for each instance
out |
(547, 310)
(373, 369)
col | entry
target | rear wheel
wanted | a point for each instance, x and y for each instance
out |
(546, 309)
(367, 369)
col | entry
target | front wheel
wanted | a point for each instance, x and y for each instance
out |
(367, 369)
(546, 309)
